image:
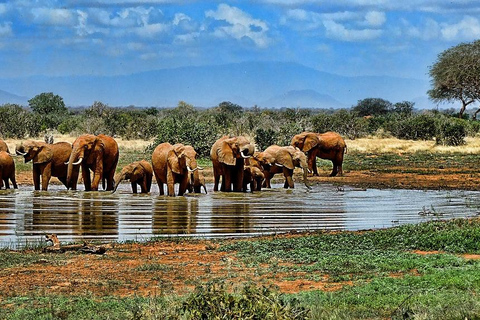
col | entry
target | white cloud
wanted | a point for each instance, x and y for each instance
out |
(467, 29)
(3, 8)
(375, 18)
(55, 17)
(339, 32)
(240, 25)
(429, 30)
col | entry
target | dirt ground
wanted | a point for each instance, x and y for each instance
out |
(165, 267)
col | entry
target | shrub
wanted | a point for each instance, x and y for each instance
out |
(451, 131)
(265, 138)
(213, 302)
(419, 127)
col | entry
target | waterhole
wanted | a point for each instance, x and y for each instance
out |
(26, 215)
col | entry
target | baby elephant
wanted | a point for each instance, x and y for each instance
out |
(7, 170)
(138, 172)
(254, 177)
(192, 188)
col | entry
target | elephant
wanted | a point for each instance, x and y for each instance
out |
(175, 164)
(138, 172)
(254, 177)
(253, 174)
(97, 153)
(201, 183)
(48, 160)
(4, 147)
(276, 159)
(7, 170)
(228, 156)
(328, 145)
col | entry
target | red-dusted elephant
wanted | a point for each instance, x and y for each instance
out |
(7, 170)
(49, 160)
(96, 153)
(174, 164)
(138, 172)
(328, 145)
(276, 159)
(228, 156)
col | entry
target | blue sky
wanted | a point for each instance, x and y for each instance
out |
(347, 37)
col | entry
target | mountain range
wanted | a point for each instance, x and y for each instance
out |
(265, 84)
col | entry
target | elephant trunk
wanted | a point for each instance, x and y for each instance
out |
(305, 181)
(117, 179)
(195, 181)
(75, 159)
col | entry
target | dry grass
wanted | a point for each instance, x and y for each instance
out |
(368, 145)
(383, 145)
(126, 145)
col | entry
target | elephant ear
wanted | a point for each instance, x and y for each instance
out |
(137, 172)
(43, 154)
(284, 158)
(311, 141)
(225, 152)
(173, 161)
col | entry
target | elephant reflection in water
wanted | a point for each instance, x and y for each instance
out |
(91, 215)
(175, 215)
(231, 218)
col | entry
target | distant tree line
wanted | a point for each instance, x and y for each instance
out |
(201, 127)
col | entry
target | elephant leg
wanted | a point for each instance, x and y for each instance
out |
(110, 180)
(227, 181)
(288, 178)
(312, 162)
(144, 186)
(134, 186)
(216, 179)
(334, 170)
(36, 177)
(97, 176)
(182, 188)
(14, 181)
(86, 178)
(1, 181)
(170, 184)
(46, 175)
(160, 188)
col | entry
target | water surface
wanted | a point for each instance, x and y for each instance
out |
(26, 215)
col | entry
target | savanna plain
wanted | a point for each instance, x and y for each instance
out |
(425, 271)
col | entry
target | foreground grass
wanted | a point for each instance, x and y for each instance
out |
(380, 275)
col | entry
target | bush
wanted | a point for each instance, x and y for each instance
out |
(265, 138)
(345, 122)
(451, 131)
(213, 302)
(419, 127)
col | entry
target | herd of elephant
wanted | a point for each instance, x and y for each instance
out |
(234, 160)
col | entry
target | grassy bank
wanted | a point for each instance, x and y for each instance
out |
(425, 271)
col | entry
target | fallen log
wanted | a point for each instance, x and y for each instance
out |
(56, 246)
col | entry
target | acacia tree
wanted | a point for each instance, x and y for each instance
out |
(456, 75)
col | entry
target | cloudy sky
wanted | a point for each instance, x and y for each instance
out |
(347, 37)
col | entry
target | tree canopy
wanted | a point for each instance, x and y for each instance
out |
(456, 75)
(50, 108)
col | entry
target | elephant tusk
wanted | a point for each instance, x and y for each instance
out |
(20, 153)
(191, 170)
(200, 168)
(245, 157)
(66, 162)
(278, 165)
(78, 162)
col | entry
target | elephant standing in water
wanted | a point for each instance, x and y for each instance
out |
(138, 172)
(228, 156)
(253, 174)
(97, 153)
(328, 145)
(7, 170)
(49, 160)
(175, 164)
(276, 159)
